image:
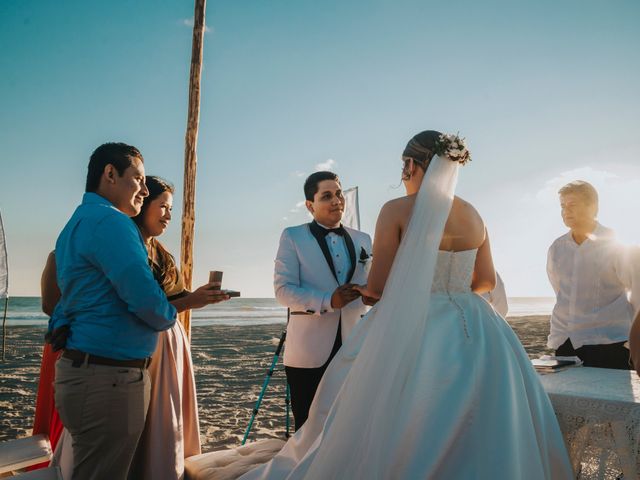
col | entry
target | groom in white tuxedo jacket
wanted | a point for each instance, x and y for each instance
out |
(316, 266)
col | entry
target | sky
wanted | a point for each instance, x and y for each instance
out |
(544, 91)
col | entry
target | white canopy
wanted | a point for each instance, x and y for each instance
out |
(351, 217)
(4, 265)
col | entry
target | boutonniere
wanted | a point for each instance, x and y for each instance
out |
(364, 256)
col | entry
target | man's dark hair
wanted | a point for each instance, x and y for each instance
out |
(120, 155)
(312, 181)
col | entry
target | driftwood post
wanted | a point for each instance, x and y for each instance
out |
(190, 158)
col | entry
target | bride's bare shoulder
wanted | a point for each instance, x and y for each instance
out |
(466, 212)
(396, 210)
(398, 206)
(464, 206)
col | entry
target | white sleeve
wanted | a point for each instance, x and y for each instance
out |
(286, 281)
(627, 266)
(551, 272)
(498, 297)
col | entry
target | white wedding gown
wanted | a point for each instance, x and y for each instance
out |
(432, 383)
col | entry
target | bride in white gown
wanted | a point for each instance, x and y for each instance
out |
(432, 383)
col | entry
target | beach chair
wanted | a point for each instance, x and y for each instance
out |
(231, 463)
(24, 452)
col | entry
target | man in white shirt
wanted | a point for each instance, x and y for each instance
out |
(592, 314)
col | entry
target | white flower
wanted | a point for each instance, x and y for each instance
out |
(453, 147)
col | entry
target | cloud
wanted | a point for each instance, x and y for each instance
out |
(598, 178)
(295, 212)
(328, 165)
(297, 207)
(188, 22)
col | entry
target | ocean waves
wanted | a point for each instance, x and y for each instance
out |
(259, 311)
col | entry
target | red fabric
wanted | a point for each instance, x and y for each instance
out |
(46, 419)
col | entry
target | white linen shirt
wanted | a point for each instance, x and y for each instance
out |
(591, 286)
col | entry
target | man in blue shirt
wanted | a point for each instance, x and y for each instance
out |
(112, 308)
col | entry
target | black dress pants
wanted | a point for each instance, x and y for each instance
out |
(612, 355)
(303, 383)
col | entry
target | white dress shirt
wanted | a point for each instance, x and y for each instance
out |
(341, 263)
(591, 283)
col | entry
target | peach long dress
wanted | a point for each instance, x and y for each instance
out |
(172, 430)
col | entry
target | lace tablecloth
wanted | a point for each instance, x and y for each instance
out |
(599, 414)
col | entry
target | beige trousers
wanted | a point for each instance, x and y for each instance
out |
(104, 410)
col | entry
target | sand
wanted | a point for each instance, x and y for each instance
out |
(230, 366)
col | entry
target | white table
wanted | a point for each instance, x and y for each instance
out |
(599, 414)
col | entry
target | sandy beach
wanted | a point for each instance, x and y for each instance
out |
(230, 365)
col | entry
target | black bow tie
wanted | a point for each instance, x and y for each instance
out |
(326, 231)
(337, 231)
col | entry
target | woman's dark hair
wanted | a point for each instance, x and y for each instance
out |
(163, 265)
(421, 148)
(311, 184)
(120, 155)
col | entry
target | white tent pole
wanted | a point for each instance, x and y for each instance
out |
(4, 284)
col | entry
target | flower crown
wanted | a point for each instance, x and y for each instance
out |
(453, 147)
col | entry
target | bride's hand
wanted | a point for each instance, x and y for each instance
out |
(367, 297)
(363, 290)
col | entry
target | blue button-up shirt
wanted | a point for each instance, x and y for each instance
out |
(109, 297)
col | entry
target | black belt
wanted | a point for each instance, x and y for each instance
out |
(80, 358)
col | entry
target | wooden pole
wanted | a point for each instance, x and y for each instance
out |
(190, 157)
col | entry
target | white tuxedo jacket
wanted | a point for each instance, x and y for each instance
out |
(302, 278)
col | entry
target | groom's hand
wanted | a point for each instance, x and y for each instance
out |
(344, 295)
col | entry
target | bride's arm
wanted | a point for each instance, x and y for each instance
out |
(484, 273)
(385, 245)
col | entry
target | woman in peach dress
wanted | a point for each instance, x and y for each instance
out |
(172, 431)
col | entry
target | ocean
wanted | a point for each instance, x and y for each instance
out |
(247, 311)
